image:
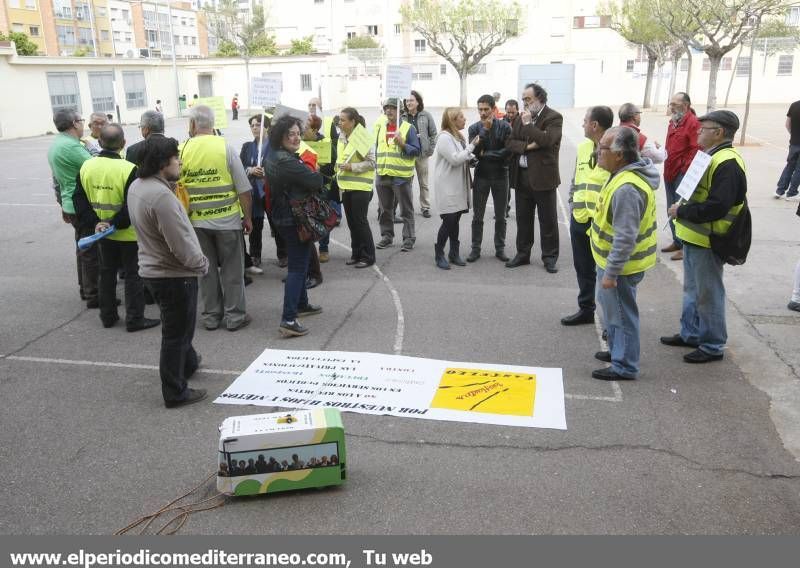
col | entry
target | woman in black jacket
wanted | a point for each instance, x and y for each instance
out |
(290, 178)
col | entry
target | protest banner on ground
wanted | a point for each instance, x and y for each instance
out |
(372, 383)
(265, 91)
(217, 104)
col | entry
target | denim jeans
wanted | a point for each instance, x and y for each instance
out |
(790, 178)
(672, 197)
(481, 188)
(621, 320)
(294, 291)
(703, 316)
(177, 299)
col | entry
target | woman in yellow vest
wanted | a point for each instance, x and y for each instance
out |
(355, 173)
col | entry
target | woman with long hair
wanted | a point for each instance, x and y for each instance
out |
(289, 178)
(355, 173)
(451, 183)
(426, 130)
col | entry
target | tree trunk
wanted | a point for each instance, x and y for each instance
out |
(714, 62)
(688, 70)
(749, 85)
(462, 77)
(247, 77)
(651, 65)
(673, 78)
(733, 74)
(657, 92)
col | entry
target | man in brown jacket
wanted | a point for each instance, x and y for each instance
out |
(535, 140)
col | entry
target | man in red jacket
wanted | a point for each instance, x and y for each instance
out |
(681, 147)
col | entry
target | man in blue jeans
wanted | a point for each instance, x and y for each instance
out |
(624, 243)
(491, 175)
(790, 178)
(712, 208)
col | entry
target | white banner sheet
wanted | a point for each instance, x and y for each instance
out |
(396, 385)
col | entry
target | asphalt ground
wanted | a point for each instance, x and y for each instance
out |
(88, 445)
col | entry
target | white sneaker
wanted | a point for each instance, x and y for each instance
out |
(253, 270)
(778, 194)
(795, 197)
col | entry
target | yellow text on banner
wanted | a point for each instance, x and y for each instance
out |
(485, 390)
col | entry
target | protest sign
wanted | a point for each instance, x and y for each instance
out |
(265, 91)
(217, 104)
(396, 385)
(398, 81)
(281, 110)
(693, 175)
(360, 140)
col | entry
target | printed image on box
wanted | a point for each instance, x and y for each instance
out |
(267, 453)
(479, 390)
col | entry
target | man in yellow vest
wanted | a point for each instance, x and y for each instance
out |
(624, 243)
(219, 207)
(397, 148)
(714, 205)
(101, 201)
(586, 185)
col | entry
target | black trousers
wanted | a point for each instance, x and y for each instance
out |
(527, 203)
(448, 230)
(356, 206)
(87, 264)
(256, 237)
(116, 255)
(177, 299)
(584, 263)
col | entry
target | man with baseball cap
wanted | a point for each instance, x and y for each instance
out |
(712, 208)
(398, 146)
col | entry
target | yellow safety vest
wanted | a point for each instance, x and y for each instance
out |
(588, 183)
(103, 179)
(205, 175)
(602, 230)
(390, 158)
(700, 233)
(352, 181)
(323, 147)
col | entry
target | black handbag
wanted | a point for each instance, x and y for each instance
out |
(313, 217)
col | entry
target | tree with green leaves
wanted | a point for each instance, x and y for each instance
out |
(240, 34)
(360, 42)
(635, 21)
(22, 42)
(302, 46)
(463, 32)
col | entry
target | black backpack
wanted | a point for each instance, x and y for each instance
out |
(733, 246)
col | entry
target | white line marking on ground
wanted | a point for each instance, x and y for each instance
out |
(110, 364)
(563, 209)
(399, 333)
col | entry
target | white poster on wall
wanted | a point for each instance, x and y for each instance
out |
(396, 385)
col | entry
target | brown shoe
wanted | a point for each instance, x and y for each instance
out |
(671, 248)
(677, 256)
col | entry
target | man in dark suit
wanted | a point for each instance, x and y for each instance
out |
(535, 141)
(150, 124)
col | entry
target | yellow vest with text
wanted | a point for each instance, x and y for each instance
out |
(588, 183)
(601, 233)
(323, 147)
(389, 157)
(351, 181)
(103, 179)
(700, 233)
(204, 173)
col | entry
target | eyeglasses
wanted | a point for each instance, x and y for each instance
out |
(601, 148)
(709, 128)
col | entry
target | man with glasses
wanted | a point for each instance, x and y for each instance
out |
(66, 156)
(631, 116)
(712, 209)
(151, 123)
(583, 194)
(97, 120)
(681, 147)
(535, 142)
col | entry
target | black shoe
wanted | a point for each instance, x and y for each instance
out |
(700, 356)
(312, 282)
(309, 310)
(244, 323)
(111, 322)
(283, 262)
(408, 244)
(676, 341)
(247, 280)
(551, 267)
(501, 255)
(606, 374)
(364, 264)
(145, 323)
(603, 356)
(292, 329)
(474, 255)
(426, 213)
(518, 260)
(794, 306)
(579, 318)
(352, 261)
(94, 303)
(192, 396)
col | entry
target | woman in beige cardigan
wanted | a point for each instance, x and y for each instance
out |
(451, 183)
